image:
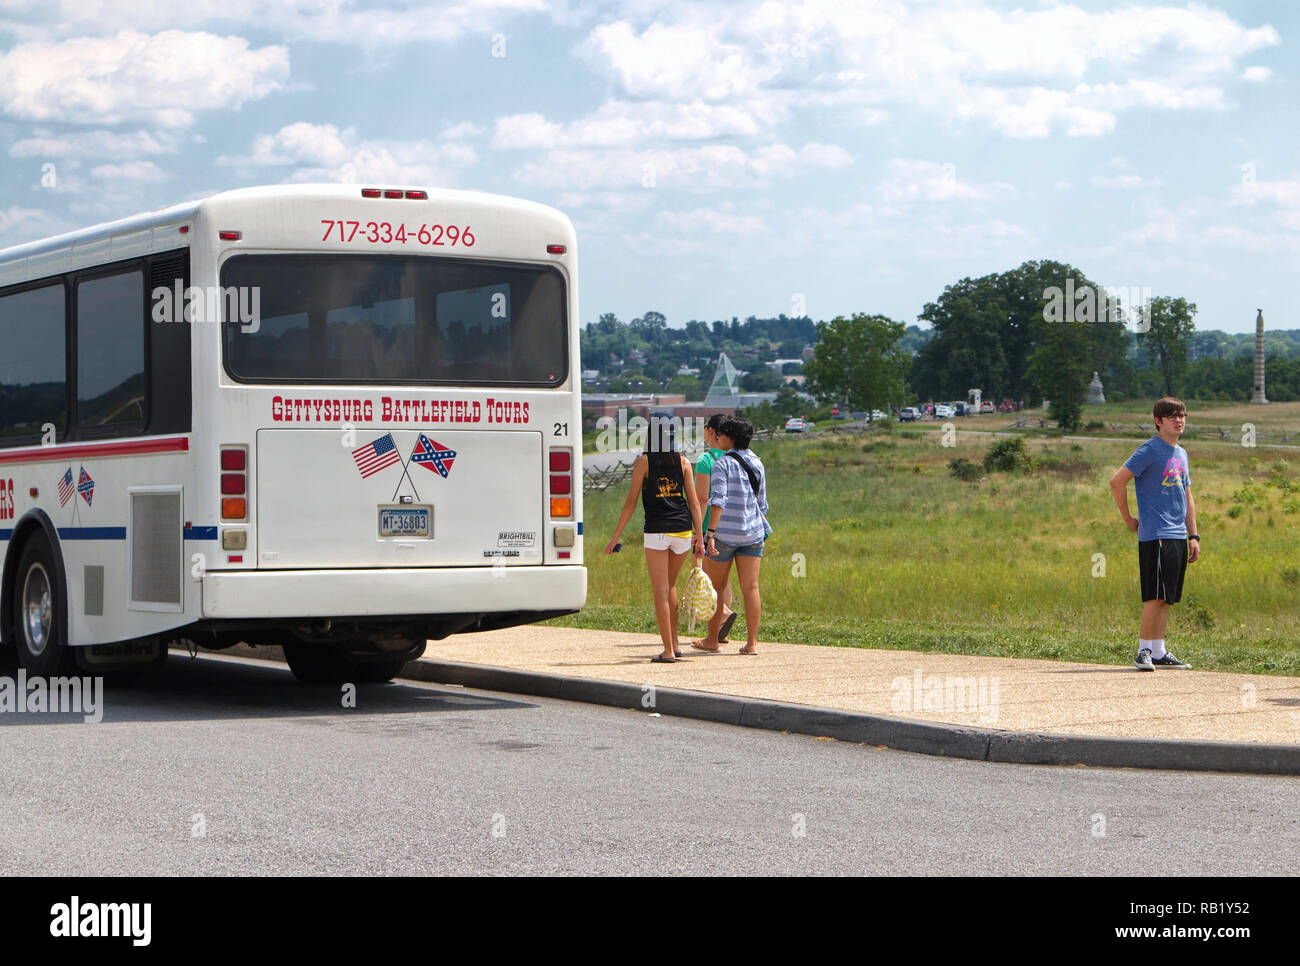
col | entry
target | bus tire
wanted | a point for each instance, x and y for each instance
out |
(320, 664)
(38, 612)
(377, 672)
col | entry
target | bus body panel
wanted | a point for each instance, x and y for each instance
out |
(381, 593)
(317, 508)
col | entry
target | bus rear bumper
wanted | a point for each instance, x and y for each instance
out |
(370, 593)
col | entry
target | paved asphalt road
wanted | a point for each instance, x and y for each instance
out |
(431, 779)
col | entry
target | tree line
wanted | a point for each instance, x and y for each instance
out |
(1036, 332)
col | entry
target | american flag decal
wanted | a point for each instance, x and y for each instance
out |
(373, 457)
(66, 489)
(433, 456)
(85, 486)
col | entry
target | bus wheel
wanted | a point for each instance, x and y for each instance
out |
(38, 612)
(317, 664)
(377, 672)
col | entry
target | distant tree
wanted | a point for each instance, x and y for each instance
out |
(792, 369)
(688, 386)
(1170, 327)
(790, 349)
(857, 360)
(1059, 370)
(761, 380)
(986, 330)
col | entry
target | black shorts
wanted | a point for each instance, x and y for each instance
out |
(1163, 564)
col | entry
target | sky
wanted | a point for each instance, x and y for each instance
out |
(822, 157)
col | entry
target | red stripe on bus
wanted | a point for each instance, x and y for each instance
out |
(131, 447)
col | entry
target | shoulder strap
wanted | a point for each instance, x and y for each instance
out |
(753, 477)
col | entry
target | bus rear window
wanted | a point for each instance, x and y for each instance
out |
(370, 319)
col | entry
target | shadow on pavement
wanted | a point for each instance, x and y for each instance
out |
(212, 688)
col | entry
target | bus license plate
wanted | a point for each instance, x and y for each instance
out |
(405, 521)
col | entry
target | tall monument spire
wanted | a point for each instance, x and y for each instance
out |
(1259, 396)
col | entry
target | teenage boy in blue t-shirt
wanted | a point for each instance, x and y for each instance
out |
(1165, 525)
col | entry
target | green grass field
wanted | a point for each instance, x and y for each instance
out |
(876, 545)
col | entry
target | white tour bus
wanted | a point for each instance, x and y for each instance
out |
(343, 419)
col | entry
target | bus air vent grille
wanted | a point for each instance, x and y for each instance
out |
(156, 528)
(94, 595)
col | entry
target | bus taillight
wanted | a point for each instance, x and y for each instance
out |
(234, 483)
(560, 482)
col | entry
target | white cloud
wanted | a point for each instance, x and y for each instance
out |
(352, 22)
(1024, 73)
(20, 223)
(930, 181)
(1284, 193)
(705, 166)
(619, 123)
(161, 79)
(712, 220)
(101, 145)
(461, 131)
(129, 171)
(1126, 181)
(323, 152)
(1256, 75)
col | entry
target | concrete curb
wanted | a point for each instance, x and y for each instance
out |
(900, 734)
(923, 737)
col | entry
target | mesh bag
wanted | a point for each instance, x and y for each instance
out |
(700, 598)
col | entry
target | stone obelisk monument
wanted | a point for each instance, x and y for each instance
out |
(1259, 396)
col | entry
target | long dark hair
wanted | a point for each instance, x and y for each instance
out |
(661, 444)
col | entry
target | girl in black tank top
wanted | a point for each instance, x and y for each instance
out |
(667, 487)
(663, 495)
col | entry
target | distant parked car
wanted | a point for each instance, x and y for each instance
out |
(961, 409)
(877, 414)
(796, 425)
(943, 412)
(908, 415)
(986, 407)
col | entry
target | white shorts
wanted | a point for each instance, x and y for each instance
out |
(666, 541)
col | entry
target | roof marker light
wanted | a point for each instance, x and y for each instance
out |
(418, 195)
(184, 229)
(370, 192)
(230, 235)
(393, 192)
(556, 249)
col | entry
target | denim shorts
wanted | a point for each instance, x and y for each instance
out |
(726, 551)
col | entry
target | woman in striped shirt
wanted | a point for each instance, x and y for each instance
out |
(737, 527)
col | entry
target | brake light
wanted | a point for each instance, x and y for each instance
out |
(560, 481)
(234, 483)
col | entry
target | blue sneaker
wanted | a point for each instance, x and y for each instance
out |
(1144, 662)
(1167, 661)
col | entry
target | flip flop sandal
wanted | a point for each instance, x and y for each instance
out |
(725, 629)
(660, 659)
